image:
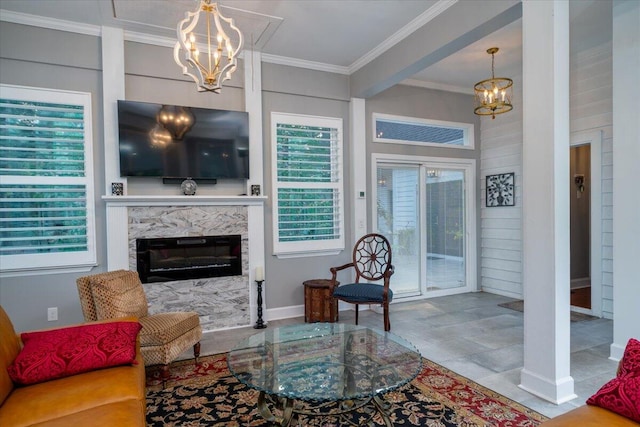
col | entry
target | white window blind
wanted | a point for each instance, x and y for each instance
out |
(416, 131)
(308, 184)
(46, 179)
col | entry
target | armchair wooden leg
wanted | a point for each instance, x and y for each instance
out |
(357, 311)
(387, 323)
(164, 374)
(196, 351)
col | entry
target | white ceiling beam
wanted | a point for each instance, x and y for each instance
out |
(433, 42)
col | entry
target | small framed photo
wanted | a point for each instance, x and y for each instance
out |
(500, 190)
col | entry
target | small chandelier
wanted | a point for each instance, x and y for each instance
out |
(176, 120)
(493, 96)
(219, 60)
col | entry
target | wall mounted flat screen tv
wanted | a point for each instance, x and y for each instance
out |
(171, 141)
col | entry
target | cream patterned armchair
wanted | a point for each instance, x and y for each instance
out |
(164, 336)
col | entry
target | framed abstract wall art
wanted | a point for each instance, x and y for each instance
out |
(500, 190)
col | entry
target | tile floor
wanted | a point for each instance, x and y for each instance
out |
(471, 335)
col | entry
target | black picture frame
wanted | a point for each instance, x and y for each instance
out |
(500, 190)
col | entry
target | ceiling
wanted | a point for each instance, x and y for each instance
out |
(335, 35)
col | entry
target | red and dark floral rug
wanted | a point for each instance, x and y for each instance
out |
(208, 395)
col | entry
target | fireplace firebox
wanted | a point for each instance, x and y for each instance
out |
(179, 258)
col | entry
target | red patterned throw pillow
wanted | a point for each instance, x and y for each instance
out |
(622, 394)
(58, 353)
(630, 363)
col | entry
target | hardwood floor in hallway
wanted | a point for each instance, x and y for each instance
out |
(581, 297)
(473, 336)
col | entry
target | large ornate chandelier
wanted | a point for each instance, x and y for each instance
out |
(215, 64)
(493, 96)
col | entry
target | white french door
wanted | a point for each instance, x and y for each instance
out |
(426, 207)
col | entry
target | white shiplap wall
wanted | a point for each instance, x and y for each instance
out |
(501, 227)
(592, 110)
(501, 152)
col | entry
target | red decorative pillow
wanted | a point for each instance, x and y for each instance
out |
(58, 353)
(630, 362)
(622, 394)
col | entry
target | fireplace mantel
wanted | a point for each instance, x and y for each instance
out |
(117, 215)
(183, 200)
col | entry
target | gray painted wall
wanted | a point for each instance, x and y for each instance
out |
(31, 56)
(299, 91)
(427, 104)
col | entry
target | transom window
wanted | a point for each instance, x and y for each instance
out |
(415, 131)
(46, 180)
(307, 184)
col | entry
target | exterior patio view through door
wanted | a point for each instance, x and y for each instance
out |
(426, 209)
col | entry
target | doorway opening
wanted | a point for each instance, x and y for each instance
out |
(580, 225)
(425, 207)
(585, 192)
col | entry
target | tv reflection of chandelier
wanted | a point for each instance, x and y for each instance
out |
(176, 120)
(159, 137)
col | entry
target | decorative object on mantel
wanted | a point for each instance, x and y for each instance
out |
(493, 96)
(117, 188)
(189, 187)
(259, 279)
(255, 190)
(500, 190)
(220, 56)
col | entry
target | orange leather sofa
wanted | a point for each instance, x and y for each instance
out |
(589, 416)
(105, 397)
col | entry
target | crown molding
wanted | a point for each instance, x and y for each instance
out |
(437, 86)
(301, 63)
(134, 36)
(50, 23)
(402, 33)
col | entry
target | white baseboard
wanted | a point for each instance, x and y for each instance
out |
(298, 311)
(285, 312)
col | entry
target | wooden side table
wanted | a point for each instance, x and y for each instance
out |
(319, 305)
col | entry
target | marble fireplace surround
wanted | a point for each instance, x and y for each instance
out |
(221, 302)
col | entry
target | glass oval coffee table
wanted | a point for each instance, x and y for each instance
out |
(323, 369)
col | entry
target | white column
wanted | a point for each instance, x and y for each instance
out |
(626, 158)
(112, 91)
(358, 167)
(546, 276)
(253, 103)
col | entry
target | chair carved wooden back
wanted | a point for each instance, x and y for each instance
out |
(371, 260)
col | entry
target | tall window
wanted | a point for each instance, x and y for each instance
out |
(46, 180)
(307, 184)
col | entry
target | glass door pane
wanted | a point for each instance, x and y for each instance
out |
(445, 219)
(398, 220)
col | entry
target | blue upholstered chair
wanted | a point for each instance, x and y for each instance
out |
(372, 262)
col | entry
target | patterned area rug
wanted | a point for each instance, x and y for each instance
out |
(208, 395)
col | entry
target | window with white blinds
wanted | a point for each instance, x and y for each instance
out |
(46, 180)
(308, 196)
(424, 132)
